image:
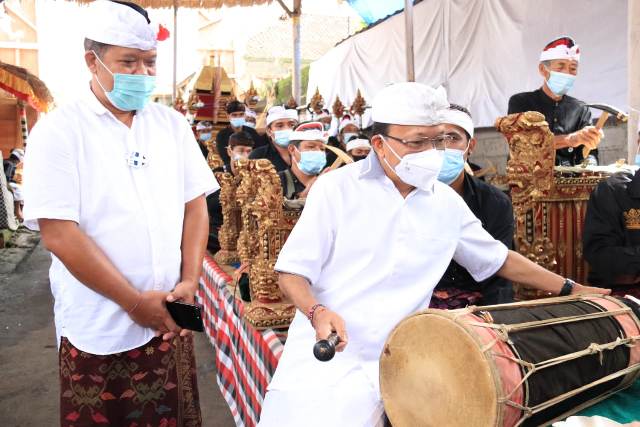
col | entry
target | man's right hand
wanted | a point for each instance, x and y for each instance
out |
(589, 136)
(326, 321)
(151, 312)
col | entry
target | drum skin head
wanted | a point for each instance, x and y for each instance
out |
(432, 373)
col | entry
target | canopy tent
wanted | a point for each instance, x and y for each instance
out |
(373, 10)
(482, 51)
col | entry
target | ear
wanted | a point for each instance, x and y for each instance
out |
(229, 152)
(90, 60)
(472, 146)
(377, 144)
(543, 71)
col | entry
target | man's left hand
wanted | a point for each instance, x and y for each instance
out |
(184, 291)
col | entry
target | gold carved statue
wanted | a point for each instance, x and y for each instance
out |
(338, 108)
(268, 308)
(317, 102)
(291, 103)
(359, 105)
(231, 219)
(251, 97)
(245, 193)
(549, 203)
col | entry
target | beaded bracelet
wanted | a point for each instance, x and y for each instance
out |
(312, 311)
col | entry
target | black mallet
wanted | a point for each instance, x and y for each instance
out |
(324, 350)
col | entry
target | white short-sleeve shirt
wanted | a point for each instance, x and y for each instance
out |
(76, 168)
(373, 257)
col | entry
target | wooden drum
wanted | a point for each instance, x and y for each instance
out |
(521, 364)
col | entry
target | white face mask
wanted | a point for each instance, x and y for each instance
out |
(418, 169)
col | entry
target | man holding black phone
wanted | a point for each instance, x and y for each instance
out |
(117, 187)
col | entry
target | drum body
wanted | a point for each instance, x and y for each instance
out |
(522, 364)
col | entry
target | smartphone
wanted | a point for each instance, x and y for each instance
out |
(187, 316)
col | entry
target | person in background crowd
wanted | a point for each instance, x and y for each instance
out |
(240, 146)
(358, 147)
(116, 185)
(457, 288)
(236, 112)
(280, 124)
(569, 119)
(250, 118)
(203, 136)
(308, 159)
(347, 130)
(11, 166)
(325, 118)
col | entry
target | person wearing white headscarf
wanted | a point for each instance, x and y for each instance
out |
(457, 288)
(569, 119)
(280, 123)
(116, 185)
(373, 240)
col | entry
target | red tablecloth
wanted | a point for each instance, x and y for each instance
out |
(245, 357)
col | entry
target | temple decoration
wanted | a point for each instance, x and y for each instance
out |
(251, 97)
(549, 203)
(338, 108)
(231, 220)
(359, 105)
(245, 193)
(292, 103)
(268, 307)
(317, 103)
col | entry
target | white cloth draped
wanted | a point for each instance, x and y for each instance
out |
(482, 51)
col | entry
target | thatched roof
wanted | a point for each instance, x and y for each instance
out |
(193, 4)
(25, 86)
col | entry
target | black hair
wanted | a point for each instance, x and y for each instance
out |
(135, 7)
(240, 138)
(379, 128)
(235, 106)
(464, 110)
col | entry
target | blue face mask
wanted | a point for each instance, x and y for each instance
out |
(281, 137)
(237, 122)
(560, 83)
(452, 165)
(312, 162)
(250, 125)
(204, 137)
(130, 92)
(637, 159)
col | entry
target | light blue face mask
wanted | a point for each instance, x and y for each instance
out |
(237, 122)
(204, 137)
(637, 159)
(312, 162)
(281, 137)
(130, 92)
(560, 83)
(250, 125)
(452, 165)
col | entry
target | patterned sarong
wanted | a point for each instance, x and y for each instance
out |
(153, 385)
(453, 298)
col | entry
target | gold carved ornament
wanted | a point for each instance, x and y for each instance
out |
(548, 205)
(358, 106)
(268, 307)
(317, 102)
(231, 220)
(338, 108)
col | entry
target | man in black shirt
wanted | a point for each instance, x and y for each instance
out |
(611, 237)
(236, 111)
(308, 159)
(568, 118)
(280, 124)
(240, 145)
(493, 208)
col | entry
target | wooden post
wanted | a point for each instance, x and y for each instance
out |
(633, 81)
(175, 52)
(408, 35)
(296, 83)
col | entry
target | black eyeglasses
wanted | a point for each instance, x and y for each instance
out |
(439, 142)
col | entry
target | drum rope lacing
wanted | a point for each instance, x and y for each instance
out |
(502, 331)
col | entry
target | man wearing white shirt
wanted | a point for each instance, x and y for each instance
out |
(372, 242)
(117, 188)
